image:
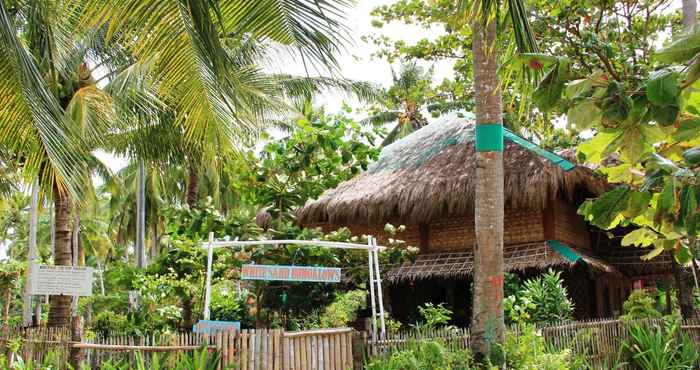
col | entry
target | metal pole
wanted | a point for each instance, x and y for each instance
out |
(33, 254)
(380, 295)
(207, 292)
(370, 256)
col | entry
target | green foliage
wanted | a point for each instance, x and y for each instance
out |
(424, 355)
(434, 316)
(661, 347)
(528, 351)
(541, 300)
(201, 359)
(640, 305)
(343, 310)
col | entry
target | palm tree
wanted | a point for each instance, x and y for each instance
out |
(488, 326)
(403, 101)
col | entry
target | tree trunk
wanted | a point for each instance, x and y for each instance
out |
(690, 13)
(154, 241)
(487, 317)
(59, 313)
(32, 255)
(192, 184)
(141, 217)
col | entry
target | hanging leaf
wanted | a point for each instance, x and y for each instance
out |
(584, 115)
(595, 149)
(637, 204)
(643, 237)
(689, 129)
(665, 115)
(605, 211)
(663, 89)
(654, 252)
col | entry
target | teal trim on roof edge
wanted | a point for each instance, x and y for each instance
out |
(565, 251)
(558, 160)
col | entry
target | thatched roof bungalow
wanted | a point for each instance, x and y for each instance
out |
(426, 182)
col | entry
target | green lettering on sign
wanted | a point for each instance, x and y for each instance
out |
(489, 137)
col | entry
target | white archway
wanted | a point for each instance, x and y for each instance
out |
(375, 281)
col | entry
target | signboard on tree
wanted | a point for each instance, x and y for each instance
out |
(61, 280)
(291, 273)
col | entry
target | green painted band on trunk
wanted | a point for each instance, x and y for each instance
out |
(489, 137)
(565, 251)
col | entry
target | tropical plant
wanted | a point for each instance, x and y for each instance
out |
(639, 305)
(528, 350)
(656, 348)
(423, 355)
(402, 103)
(434, 316)
(541, 300)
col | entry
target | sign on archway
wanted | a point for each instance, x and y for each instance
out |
(291, 273)
(305, 273)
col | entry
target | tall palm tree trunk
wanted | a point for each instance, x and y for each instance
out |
(141, 216)
(487, 316)
(192, 185)
(59, 313)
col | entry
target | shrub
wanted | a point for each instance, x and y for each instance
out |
(639, 305)
(542, 300)
(657, 348)
(423, 355)
(344, 309)
(528, 351)
(434, 315)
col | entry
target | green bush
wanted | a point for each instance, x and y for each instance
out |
(661, 347)
(640, 305)
(434, 315)
(528, 351)
(541, 300)
(343, 310)
(424, 355)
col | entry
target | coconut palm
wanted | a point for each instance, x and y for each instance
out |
(403, 101)
(487, 316)
(53, 113)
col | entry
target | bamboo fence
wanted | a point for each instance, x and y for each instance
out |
(262, 349)
(598, 341)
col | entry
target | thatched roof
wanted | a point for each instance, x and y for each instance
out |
(459, 264)
(431, 174)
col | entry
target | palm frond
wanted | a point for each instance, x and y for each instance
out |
(33, 122)
(305, 87)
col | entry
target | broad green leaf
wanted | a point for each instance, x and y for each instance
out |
(537, 61)
(620, 174)
(605, 211)
(595, 149)
(663, 89)
(638, 203)
(665, 115)
(654, 252)
(577, 88)
(584, 115)
(683, 47)
(683, 254)
(643, 237)
(688, 129)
